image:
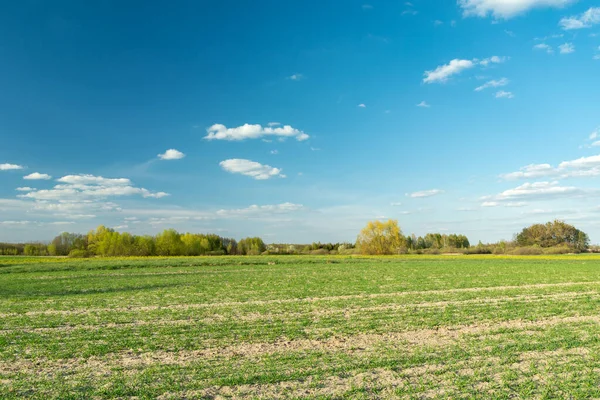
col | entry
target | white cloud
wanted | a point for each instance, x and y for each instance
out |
(586, 20)
(443, 72)
(171, 154)
(296, 77)
(493, 84)
(251, 168)
(247, 131)
(502, 94)
(531, 171)
(538, 190)
(493, 60)
(489, 204)
(581, 163)
(256, 210)
(25, 189)
(361, 105)
(506, 9)
(37, 176)
(423, 104)
(9, 167)
(543, 46)
(425, 193)
(86, 179)
(89, 187)
(567, 48)
(579, 168)
(274, 152)
(273, 124)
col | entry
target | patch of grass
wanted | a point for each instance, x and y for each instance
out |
(300, 327)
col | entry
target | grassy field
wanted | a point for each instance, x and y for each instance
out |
(300, 327)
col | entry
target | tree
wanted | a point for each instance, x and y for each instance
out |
(168, 243)
(551, 234)
(251, 246)
(379, 238)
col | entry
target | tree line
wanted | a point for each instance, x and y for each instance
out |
(380, 238)
(377, 238)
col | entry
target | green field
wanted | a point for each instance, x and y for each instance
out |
(300, 327)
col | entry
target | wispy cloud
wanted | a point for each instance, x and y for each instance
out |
(296, 77)
(505, 9)
(362, 105)
(502, 94)
(567, 48)
(425, 193)
(250, 168)
(585, 20)
(493, 84)
(443, 72)
(543, 46)
(423, 104)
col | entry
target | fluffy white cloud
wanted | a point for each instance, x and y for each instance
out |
(567, 48)
(171, 154)
(296, 77)
(86, 187)
(25, 189)
(9, 167)
(251, 168)
(425, 193)
(506, 8)
(86, 179)
(423, 104)
(543, 46)
(247, 131)
(361, 105)
(586, 20)
(443, 72)
(493, 84)
(37, 176)
(502, 94)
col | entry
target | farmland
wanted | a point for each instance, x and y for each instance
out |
(300, 327)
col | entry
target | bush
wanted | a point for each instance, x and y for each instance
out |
(527, 251)
(76, 253)
(320, 252)
(559, 250)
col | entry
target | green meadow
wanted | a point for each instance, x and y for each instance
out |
(300, 327)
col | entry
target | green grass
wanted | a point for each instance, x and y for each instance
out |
(300, 327)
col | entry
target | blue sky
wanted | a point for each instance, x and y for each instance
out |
(299, 121)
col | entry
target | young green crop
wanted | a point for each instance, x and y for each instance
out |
(300, 327)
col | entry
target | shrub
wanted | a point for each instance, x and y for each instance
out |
(76, 253)
(526, 251)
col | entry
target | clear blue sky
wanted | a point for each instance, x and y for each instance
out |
(299, 121)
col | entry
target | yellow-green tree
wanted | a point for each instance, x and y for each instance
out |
(379, 238)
